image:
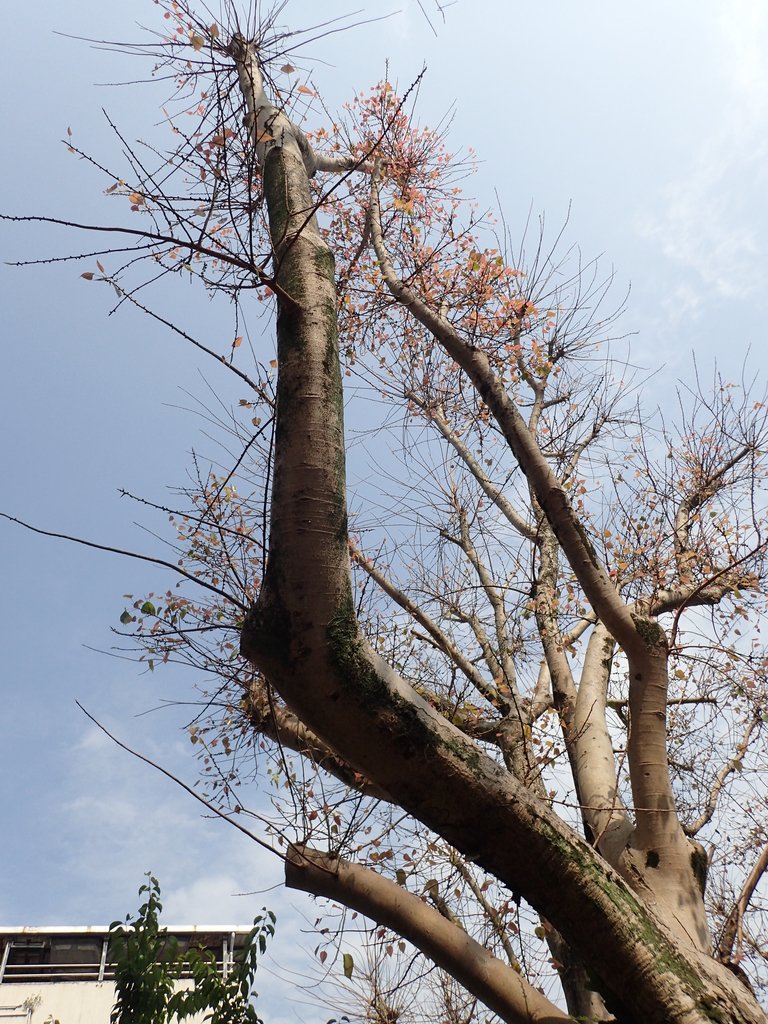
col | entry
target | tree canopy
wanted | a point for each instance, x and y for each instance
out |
(510, 686)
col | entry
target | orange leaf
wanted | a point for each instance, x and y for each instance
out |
(273, 363)
(237, 342)
(214, 30)
(136, 198)
(307, 91)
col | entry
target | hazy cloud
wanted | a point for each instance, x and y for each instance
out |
(712, 220)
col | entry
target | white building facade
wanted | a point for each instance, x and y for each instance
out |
(63, 975)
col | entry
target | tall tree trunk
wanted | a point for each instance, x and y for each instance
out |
(302, 634)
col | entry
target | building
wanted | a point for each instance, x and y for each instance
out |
(63, 974)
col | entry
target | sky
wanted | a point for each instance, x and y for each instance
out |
(645, 125)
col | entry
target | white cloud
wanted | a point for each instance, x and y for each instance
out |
(712, 220)
(94, 740)
(743, 31)
(206, 900)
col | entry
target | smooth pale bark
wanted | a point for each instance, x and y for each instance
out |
(303, 636)
(286, 729)
(660, 863)
(659, 854)
(593, 751)
(495, 983)
(546, 601)
(544, 484)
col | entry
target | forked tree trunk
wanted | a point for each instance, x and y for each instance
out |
(302, 634)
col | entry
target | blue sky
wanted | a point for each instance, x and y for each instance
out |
(648, 121)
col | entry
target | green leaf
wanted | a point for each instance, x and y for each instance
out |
(349, 965)
(126, 617)
(147, 608)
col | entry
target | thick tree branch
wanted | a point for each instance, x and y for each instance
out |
(552, 497)
(495, 983)
(279, 724)
(303, 635)
(594, 764)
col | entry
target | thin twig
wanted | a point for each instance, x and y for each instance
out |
(174, 778)
(127, 554)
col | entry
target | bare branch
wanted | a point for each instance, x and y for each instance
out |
(188, 789)
(129, 554)
(599, 589)
(731, 940)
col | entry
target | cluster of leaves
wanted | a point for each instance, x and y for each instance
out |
(149, 968)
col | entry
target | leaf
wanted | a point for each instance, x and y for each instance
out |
(214, 30)
(306, 90)
(288, 69)
(101, 268)
(69, 132)
(349, 965)
(88, 275)
(108, 191)
(323, 956)
(197, 41)
(136, 198)
(148, 608)
(237, 342)
(126, 617)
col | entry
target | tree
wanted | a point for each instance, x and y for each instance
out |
(148, 966)
(559, 627)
